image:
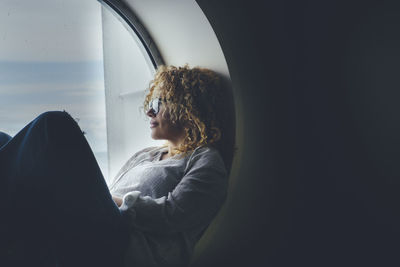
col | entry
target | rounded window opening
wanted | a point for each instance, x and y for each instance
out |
(130, 61)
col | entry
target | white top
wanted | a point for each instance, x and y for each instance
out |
(169, 203)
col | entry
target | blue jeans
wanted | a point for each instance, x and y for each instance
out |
(56, 207)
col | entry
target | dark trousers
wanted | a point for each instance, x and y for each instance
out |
(56, 209)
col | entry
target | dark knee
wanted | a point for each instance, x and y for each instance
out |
(56, 121)
(54, 115)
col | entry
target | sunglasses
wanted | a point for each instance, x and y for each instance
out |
(154, 105)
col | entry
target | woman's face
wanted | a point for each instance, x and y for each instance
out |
(161, 127)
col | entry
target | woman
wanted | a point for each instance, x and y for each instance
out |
(156, 208)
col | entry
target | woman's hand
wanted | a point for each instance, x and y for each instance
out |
(117, 200)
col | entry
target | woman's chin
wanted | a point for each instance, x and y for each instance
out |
(155, 136)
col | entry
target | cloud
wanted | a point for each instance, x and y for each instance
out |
(55, 90)
(28, 89)
(14, 72)
(49, 30)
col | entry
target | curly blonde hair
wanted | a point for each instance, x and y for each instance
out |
(190, 95)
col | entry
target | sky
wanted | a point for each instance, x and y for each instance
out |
(51, 58)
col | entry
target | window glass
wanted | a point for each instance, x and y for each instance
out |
(51, 58)
(127, 73)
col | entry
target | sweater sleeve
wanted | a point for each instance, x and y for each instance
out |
(194, 201)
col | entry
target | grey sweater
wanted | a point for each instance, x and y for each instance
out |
(169, 203)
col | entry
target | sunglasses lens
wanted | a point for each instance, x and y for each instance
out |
(154, 105)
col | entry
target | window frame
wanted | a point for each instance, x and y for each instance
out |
(138, 29)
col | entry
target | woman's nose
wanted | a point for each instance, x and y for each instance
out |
(150, 113)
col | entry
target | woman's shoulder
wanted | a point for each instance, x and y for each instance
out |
(206, 156)
(206, 151)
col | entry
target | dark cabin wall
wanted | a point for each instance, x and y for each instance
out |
(317, 91)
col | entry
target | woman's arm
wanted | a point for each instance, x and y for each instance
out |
(194, 202)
